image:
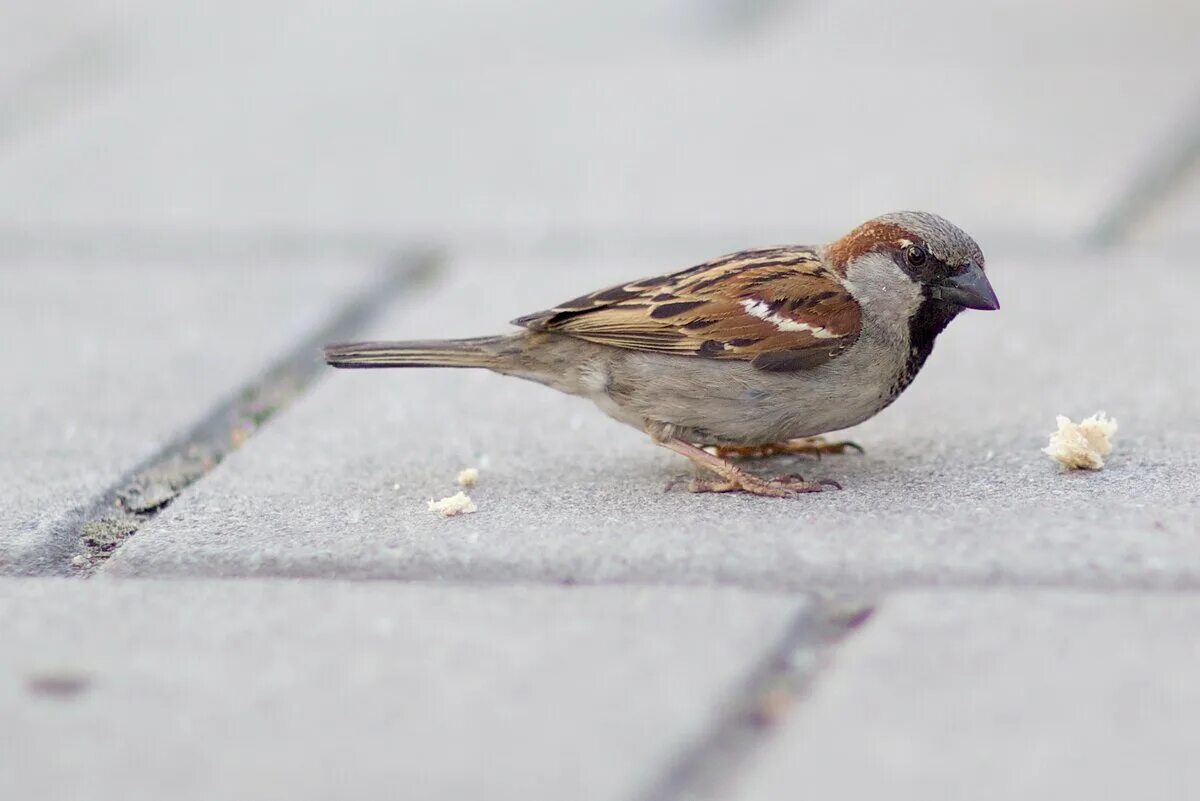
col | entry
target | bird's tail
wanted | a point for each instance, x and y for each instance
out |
(477, 352)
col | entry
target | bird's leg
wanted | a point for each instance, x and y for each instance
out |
(734, 479)
(814, 446)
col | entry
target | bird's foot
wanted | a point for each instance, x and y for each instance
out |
(734, 479)
(811, 446)
(779, 487)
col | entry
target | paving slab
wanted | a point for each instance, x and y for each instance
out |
(1037, 695)
(487, 119)
(107, 361)
(313, 690)
(953, 487)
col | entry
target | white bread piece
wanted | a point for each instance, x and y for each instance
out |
(1082, 445)
(457, 504)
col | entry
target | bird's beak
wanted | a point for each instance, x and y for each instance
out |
(969, 289)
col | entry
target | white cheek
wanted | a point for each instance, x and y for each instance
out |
(882, 288)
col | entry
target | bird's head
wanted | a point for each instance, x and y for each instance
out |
(913, 263)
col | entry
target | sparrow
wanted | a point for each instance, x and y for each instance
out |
(754, 353)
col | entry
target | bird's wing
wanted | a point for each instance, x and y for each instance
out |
(779, 308)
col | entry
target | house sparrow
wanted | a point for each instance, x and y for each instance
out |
(750, 352)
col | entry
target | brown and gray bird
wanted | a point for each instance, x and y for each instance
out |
(753, 352)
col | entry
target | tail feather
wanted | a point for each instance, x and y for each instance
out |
(477, 352)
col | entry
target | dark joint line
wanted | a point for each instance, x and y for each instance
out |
(89, 535)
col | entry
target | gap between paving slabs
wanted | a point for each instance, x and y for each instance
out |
(772, 689)
(1160, 174)
(91, 535)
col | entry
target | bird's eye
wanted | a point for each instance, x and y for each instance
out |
(915, 255)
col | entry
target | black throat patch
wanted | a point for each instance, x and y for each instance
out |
(930, 320)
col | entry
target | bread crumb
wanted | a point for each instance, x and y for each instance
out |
(457, 504)
(468, 477)
(1082, 445)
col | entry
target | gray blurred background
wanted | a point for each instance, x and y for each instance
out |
(534, 122)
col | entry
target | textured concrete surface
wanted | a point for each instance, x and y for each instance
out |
(1041, 695)
(953, 487)
(200, 690)
(441, 122)
(106, 362)
(188, 189)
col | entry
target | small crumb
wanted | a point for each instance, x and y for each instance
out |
(457, 504)
(78, 560)
(1082, 445)
(468, 477)
(396, 487)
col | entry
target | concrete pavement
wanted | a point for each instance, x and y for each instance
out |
(996, 695)
(328, 689)
(253, 600)
(107, 363)
(953, 488)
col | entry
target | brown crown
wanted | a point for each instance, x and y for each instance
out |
(871, 235)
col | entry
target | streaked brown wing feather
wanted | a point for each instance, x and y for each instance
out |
(779, 308)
